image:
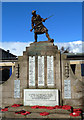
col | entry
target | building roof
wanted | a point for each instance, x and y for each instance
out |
(73, 56)
(6, 55)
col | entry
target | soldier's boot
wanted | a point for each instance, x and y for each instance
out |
(49, 39)
(35, 37)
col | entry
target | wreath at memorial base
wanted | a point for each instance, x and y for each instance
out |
(44, 113)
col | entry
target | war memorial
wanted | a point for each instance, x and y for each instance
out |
(42, 82)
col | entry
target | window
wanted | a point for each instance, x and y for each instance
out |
(73, 66)
(5, 73)
(82, 69)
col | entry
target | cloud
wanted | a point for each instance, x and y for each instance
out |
(75, 46)
(17, 48)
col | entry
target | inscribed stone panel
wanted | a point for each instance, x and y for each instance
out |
(67, 89)
(47, 97)
(50, 71)
(40, 71)
(16, 88)
(31, 71)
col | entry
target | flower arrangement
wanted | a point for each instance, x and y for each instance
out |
(44, 113)
(42, 107)
(57, 107)
(16, 105)
(76, 112)
(66, 107)
(5, 109)
(50, 108)
(22, 112)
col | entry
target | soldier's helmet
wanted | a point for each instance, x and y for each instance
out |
(34, 11)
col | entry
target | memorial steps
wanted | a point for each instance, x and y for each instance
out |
(10, 109)
(35, 113)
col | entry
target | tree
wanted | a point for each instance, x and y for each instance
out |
(63, 50)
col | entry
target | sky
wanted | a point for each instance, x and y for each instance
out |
(64, 26)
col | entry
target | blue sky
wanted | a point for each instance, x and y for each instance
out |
(64, 26)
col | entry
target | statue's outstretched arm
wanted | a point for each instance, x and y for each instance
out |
(43, 20)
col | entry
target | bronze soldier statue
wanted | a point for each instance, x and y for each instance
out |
(38, 27)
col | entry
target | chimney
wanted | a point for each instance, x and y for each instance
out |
(8, 51)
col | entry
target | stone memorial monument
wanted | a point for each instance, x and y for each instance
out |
(42, 76)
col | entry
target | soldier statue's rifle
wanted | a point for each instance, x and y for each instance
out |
(40, 22)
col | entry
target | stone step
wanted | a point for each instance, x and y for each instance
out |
(37, 115)
(59, 111)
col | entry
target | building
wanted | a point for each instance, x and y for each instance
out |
(7, 63)
(77, 64)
